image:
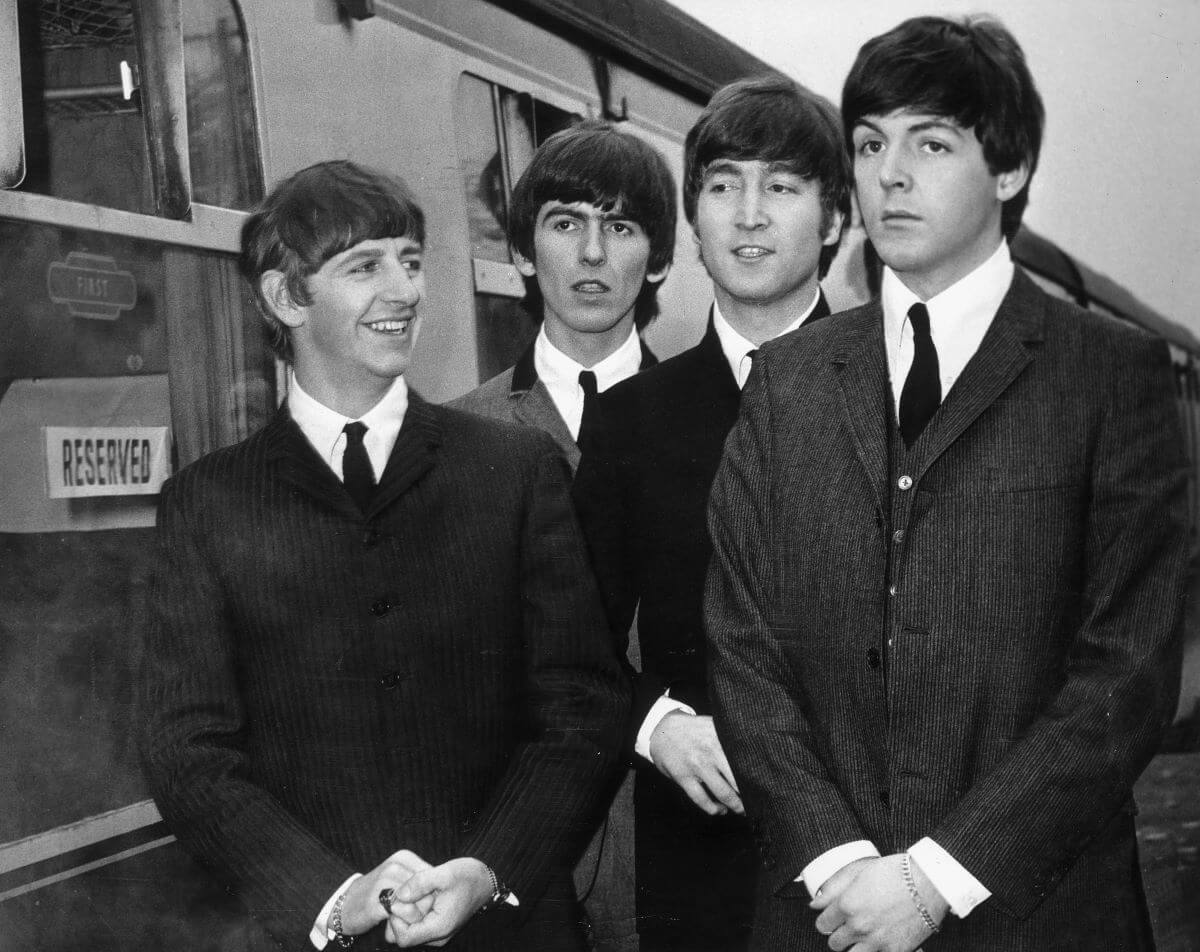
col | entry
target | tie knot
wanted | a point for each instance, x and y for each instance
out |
(587, 382)
(918, 316)
(354, 432)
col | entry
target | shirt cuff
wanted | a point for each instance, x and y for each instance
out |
(658, 710)
(820, 869)
(319, 936)
(958, 887)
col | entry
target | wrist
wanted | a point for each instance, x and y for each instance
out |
(930, 904)
(336, 929)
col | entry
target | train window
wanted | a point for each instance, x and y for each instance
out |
(497, 132)
(84, 136)
(87, 98)
(122, 358)
(222, 146)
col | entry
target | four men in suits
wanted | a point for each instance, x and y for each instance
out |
(592, 230)
(950, 542)
(766, 190)
(379, 693)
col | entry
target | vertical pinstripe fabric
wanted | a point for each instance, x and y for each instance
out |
(977, 640)
(322, 689)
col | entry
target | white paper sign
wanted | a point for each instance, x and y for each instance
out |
(106, 460)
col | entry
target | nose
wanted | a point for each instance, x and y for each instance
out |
(403, 286)
(591, 248)
(893, 170)
(751, 212)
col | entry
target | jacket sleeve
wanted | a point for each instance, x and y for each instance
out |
(191, 738)
(796, 810)
(1020, 828)
(563, 774)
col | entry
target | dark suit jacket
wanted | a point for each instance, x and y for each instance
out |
(322, 689)
(641, 492)
(518, 396)
(1005, 695)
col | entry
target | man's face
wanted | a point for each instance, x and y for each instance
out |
(590, 266)
(929, 203)
(356, 336)
(761, 231)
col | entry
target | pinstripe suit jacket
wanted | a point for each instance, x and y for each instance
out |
(986, 657)
(323, 687)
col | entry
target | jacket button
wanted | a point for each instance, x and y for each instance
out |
(904, 482)
(892, 590)
(390, 680)
(380, 607)
(898, 536)
(874, 659)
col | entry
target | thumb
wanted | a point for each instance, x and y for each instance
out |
(423, 883)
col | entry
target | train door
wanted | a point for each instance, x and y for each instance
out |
(127, 347)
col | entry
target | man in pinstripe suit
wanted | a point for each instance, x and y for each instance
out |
(950, 548)
(379, 693)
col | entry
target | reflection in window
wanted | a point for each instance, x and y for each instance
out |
(221, 136)
(497, 132)
(84, 136)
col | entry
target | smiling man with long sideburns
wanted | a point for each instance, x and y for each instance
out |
(350, 714)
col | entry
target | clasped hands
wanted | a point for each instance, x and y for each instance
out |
(430, 904)
(866, 906)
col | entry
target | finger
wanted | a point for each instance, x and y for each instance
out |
(822, 898)
(422, 884)
(699, 796)
(830, 920)
(720, 790)
(723, 765)
(408, 912)
(409, 860)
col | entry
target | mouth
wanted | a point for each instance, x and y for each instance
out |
(392, 326)
(590, 287)
(899, 217)
(751, 252)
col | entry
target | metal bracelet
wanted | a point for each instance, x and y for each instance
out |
(335, 923)
(906, 871)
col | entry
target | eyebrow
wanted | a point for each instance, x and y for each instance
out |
(356, 255)
(570, 211)
(925, 125)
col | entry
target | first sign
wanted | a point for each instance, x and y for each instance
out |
(91, 286)
(106, 460)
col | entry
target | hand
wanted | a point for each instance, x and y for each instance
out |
(685, 748)
(361, 909)
(875, 912)
(455, 891)
(833, 887)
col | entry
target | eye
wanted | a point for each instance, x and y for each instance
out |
(870, 147)
(935, 146)
(782, 188)
(718, 186)
(412, 265)
(621, 228)
(561, 224)
(366, 267)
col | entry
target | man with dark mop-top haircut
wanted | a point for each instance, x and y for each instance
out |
(379, 701)
(950, 542)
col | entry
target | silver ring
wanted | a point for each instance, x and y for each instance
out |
(386, 898)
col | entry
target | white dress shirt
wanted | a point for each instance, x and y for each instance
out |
(560, 374)
(324, 427)
(959, 317)
(737, 350)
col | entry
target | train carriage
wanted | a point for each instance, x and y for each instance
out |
(134, 135)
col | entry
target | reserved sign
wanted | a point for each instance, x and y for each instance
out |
(106, 460)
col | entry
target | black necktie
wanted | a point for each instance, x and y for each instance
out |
(923, 387)
(356, 466)
(587, 383)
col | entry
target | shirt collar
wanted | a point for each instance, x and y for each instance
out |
(323, 426)
(556, 370)
(737, 348)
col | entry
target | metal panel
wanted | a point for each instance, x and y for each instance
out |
(650, 36)
(12, 122)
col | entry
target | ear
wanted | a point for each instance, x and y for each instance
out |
(833, 233)
(524, 265)
(273, 285)
(1009, 184)
(655, 276)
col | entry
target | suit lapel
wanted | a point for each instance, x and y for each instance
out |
(413, 455)
(862, 376)
(299, 465)
(1002, 355)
